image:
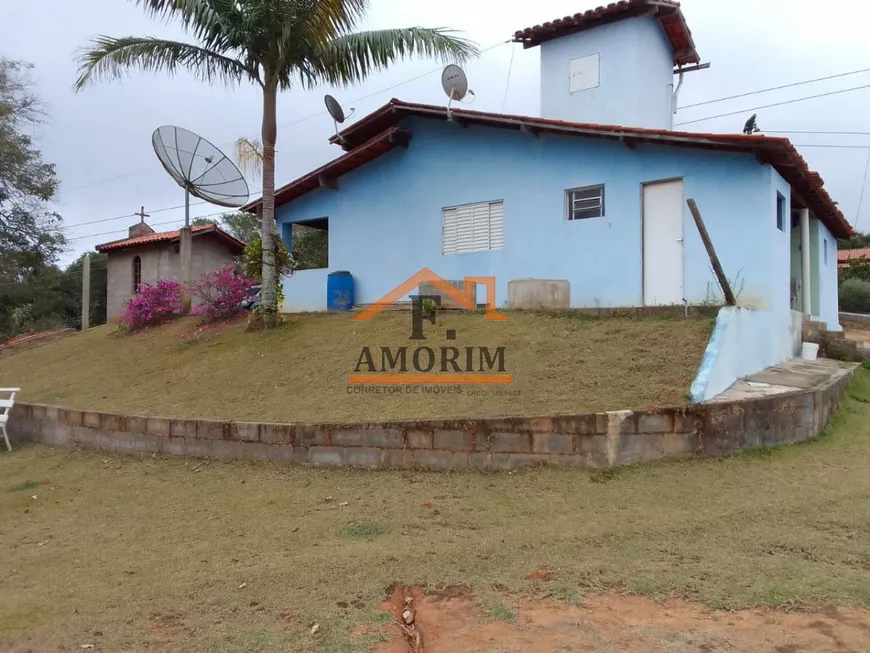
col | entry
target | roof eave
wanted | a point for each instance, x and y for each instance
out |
(778, 151)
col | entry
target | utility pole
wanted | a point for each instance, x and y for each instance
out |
(186, 243)
(86, 291)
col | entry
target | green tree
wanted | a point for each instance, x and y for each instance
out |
(310, 247)
(244, 226)
(71, 289)
(858, 241)
(275, 44)
(30, 232)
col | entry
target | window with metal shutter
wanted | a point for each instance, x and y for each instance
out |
(472, 227)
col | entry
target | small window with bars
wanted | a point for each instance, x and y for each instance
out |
(137, 273)
(584, 203)
(472, 227)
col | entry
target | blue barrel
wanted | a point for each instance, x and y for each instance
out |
(339, 291)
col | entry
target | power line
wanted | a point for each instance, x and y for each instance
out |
(774, 104)
(507, 84)
(156, 224)
(129, 215)
(798, 131)
(105, 181)
(305, 118)
(774, 88)
(847, 147)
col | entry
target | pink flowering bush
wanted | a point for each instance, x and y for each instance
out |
(152, 305)
(220, 294)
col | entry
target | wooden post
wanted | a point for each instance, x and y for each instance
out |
(86, 291)
(730, 300)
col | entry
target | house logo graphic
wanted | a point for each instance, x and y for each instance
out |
(448, 365)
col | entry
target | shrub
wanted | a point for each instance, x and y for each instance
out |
(858, 268)
(220, 294)
(252, 263)
(855, 296)
(152, 305)
(252, 259)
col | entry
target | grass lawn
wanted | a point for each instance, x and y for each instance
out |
(567, 364)
(168, 554)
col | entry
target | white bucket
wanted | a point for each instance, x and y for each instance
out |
(809, 351)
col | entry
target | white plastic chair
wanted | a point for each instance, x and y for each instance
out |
(5, 409)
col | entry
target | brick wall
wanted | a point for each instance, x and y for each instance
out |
(597, 440)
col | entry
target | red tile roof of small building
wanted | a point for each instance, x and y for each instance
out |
(806, 184)
(850, 254)
(170, 236)
(667, 12)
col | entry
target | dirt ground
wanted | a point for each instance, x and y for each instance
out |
(165, 554)
(624, 624)
(858, 331)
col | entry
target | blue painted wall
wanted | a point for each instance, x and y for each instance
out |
(636, 76)
(779, 255)
(828, 280)
(385, 221)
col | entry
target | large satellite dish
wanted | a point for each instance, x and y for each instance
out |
(199, 167)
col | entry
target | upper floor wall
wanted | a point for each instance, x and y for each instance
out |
(617, 74)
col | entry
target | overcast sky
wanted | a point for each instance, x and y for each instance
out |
(100, 138)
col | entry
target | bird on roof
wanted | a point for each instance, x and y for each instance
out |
(751, 126)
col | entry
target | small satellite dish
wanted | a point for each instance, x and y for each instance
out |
(455, 85)
(751, 126)
(199, 167)
(454, 82)
(335, 110)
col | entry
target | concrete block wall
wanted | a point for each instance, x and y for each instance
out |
(599, 440)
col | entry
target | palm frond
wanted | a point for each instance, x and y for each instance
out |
(353, 57)
(326, 19)
(249, 156)
(210, 21)
(110, 58)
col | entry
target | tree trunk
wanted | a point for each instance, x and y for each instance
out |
(270, 278)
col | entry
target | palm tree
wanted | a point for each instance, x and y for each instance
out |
(274, 44)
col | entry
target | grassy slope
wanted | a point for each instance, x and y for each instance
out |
(149, 551)
(299, 373)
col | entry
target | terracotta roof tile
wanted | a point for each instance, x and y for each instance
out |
(850, 254)
(667, 12)
(170, 236)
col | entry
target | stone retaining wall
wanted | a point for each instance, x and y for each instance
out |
(594, 440)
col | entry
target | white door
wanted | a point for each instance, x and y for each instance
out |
(663, 243)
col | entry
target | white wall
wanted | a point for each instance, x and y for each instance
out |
(743, 342)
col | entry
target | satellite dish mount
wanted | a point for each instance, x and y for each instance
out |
(337, 113)
(455, 85)
(200, 168)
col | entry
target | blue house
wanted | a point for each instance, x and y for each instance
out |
(588, 200)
